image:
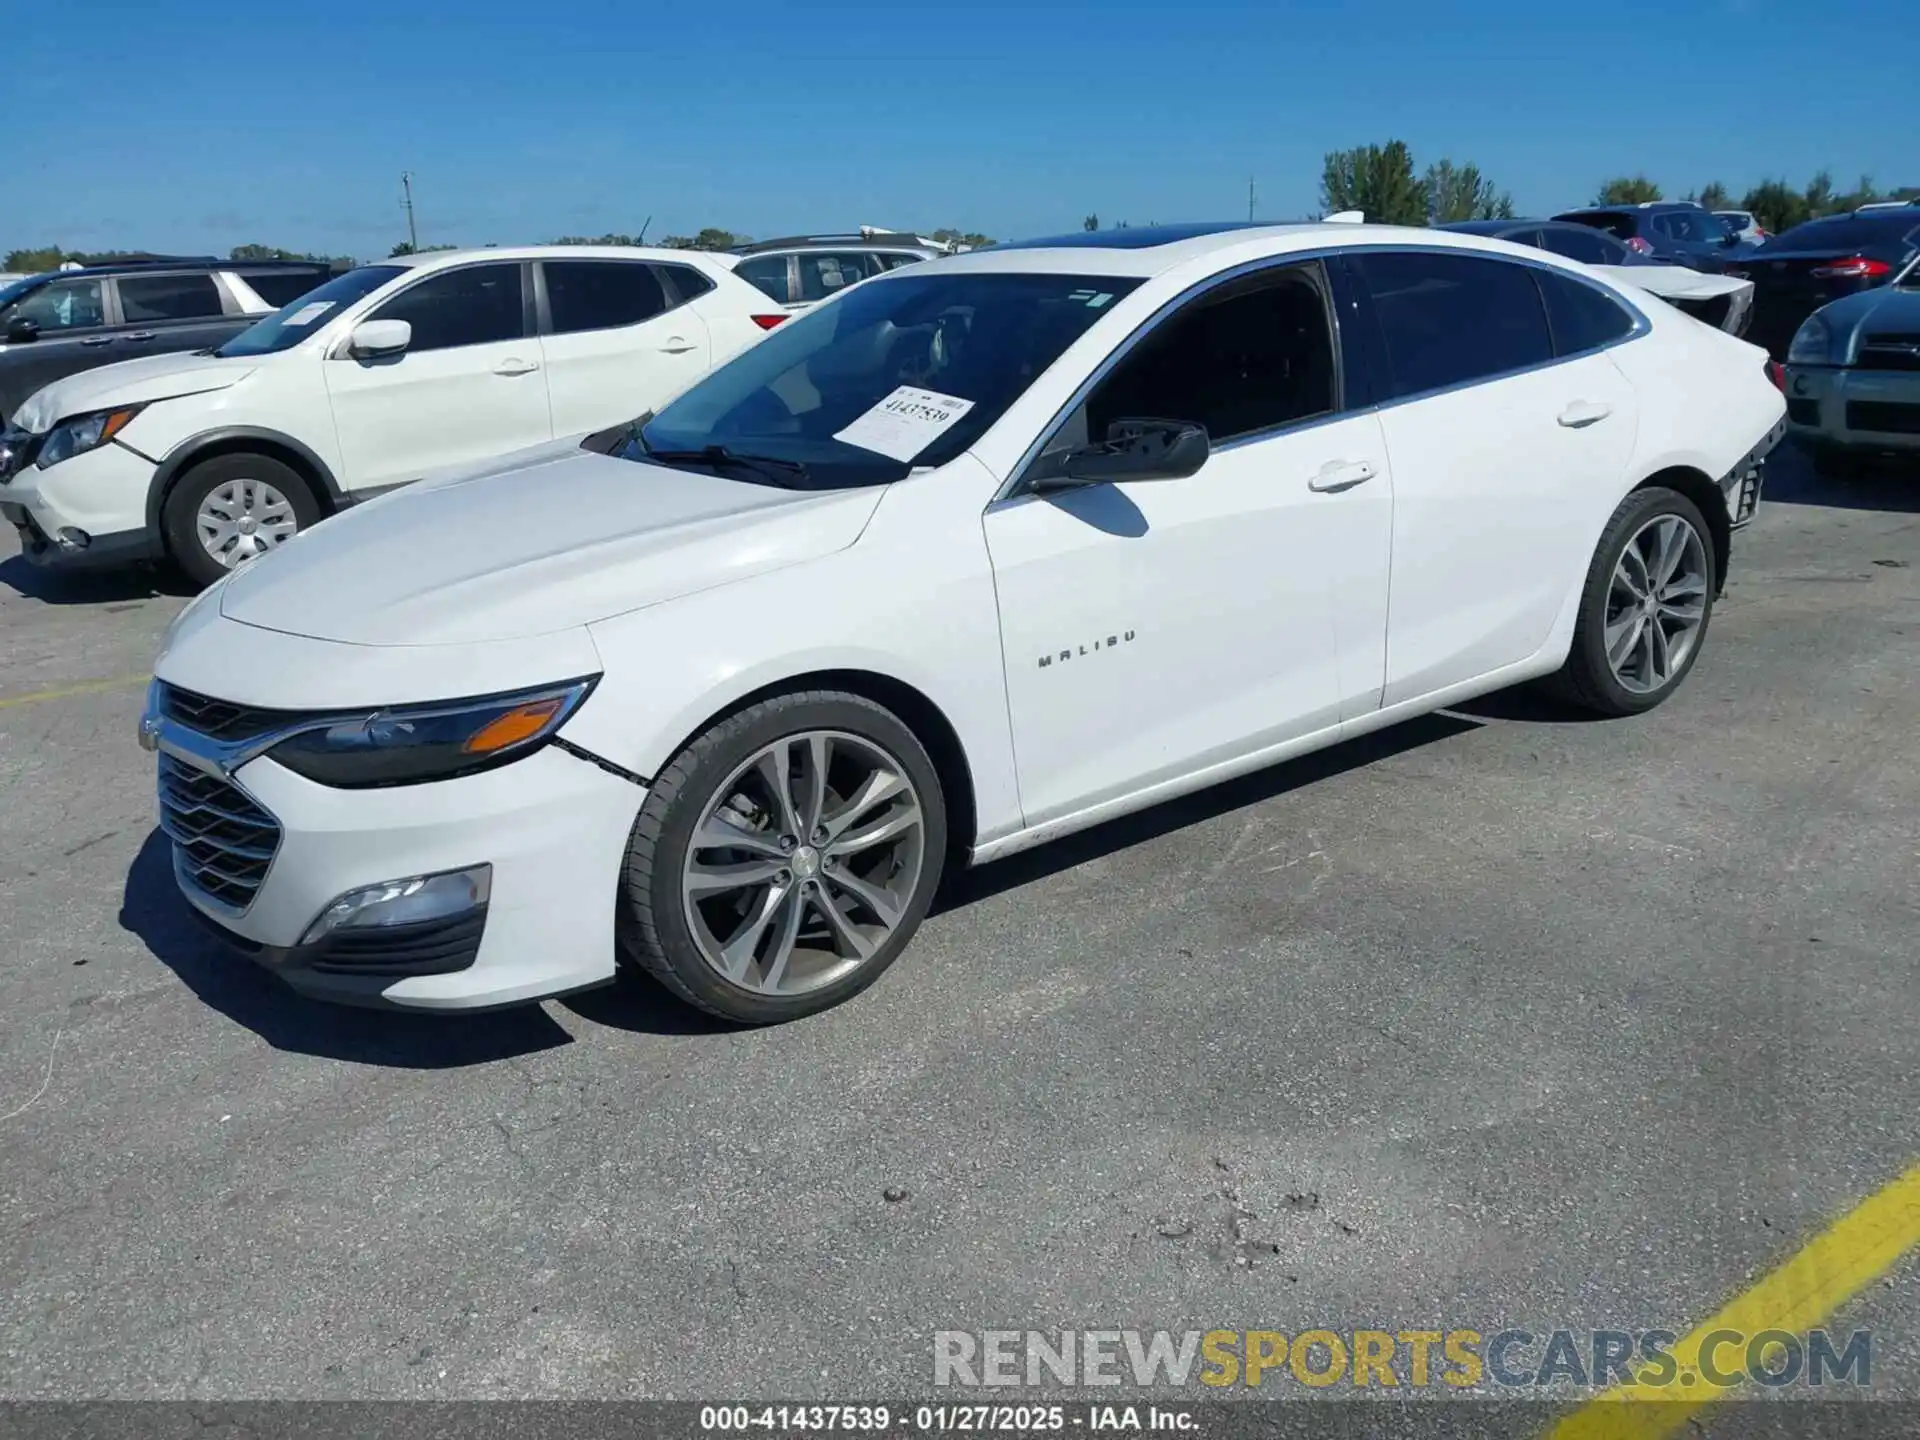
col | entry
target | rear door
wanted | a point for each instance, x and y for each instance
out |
(617, 341)
(163, 311)
(75, 334)
(470, 385)
(1498, 441)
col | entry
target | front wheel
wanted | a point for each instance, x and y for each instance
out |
(784, 859)
(230, 510)
(1645, 608)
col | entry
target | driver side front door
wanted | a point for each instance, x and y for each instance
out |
(1155, 629)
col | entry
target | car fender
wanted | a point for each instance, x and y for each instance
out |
(237, 437)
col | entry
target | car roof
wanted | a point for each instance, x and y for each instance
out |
(658, 253)
(178, 262)
(888, 240)
(1145, 251)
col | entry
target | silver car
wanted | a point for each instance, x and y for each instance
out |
(1853, 376)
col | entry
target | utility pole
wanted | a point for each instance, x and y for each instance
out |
(1249, 197)
(406, 194)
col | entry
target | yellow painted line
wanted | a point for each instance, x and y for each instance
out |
(84, 687)
(1799, 1296)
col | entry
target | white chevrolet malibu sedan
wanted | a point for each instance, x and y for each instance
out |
(982, 552)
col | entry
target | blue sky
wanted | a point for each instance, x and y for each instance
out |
(200, 127)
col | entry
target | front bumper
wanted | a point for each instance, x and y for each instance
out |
(85, 512)
(1864, 410)
(553, 828)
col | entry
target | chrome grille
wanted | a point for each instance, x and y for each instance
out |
(222, 841)
(220, 719)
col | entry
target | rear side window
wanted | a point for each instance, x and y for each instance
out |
(1453, 319)
(894, 262)
(824, 273)
(684, 282)
(475, 305)
(282, 287)
(148, 298)
(1581, 316)
(1616, 224)
(769, 273)
(601, 294)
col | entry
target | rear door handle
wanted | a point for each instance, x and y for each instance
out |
(98, 340)
(1584, 412)
(676, 345)
(1337, 475)
(138, 335)
(515, 367)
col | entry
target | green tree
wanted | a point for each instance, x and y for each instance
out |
(1377, 180)
(1713, 195)
(1627, 190)
(1776, 205)
(1462, 193)
(596, 240)
(709, 238)
(1092, 222)
(1862, 194)
(1819, 195)
(403, 248)
(42, 257)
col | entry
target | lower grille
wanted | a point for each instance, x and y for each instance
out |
(1803, 412)
(431, 947)
(1889, 352)
(1880, 415)
(223, 842)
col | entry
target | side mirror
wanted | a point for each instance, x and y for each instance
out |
(21, 330)
(1136, 449)
(380, 339)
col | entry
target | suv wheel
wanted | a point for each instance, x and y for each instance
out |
(784, 859)
(232, 509)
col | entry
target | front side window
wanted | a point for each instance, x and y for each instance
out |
(1255, 354)
(62, 305)
(1581, 316)
(471, 305)
(601, 294)
(303, 317)
(145, 299)
(768, 273)
(1453, 319)
(979, 338)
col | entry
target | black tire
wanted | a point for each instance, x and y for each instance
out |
(1587, 680)
(654, 935)
(177, 529)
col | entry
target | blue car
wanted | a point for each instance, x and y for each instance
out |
(1853, 375)
(1672, 230)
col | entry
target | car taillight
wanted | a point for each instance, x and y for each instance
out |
(1634, 242)
(1859, 267)
(767, 322)
(1777, 373)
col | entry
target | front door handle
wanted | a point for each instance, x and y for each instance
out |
(138, 335)
(98, 340)
(515, 367)
(676, 345)
(1337, 475)
(1582, 413)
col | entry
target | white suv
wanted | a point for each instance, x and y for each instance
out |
(380, 376)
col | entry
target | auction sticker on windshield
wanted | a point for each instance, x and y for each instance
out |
(307, 314)
(905, 423)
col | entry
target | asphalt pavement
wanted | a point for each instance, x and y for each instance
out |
(1497, 1018)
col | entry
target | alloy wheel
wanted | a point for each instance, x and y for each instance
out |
(804, 862)
(1656, 604)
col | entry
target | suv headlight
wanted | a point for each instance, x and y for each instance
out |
(83, 433)
(406, 745)
(1812, 343)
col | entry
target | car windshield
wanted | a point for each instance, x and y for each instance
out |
(294, 322)
(828, 401)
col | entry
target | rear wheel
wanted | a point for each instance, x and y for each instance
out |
(784, 859)
(1645, 608)
(228, 511)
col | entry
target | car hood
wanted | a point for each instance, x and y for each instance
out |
(131, 382)
(542, 547)
(1889, 309)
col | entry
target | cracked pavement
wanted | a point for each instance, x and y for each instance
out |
(1493, 1018)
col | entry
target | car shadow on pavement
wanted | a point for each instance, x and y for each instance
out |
(1891, 485)
(152, 909)
(88, 587)
(968, 887)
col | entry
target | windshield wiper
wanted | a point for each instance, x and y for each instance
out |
(721, 458)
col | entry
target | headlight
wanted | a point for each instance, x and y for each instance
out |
(1811, 343)
(83, 433)
(410, 744)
